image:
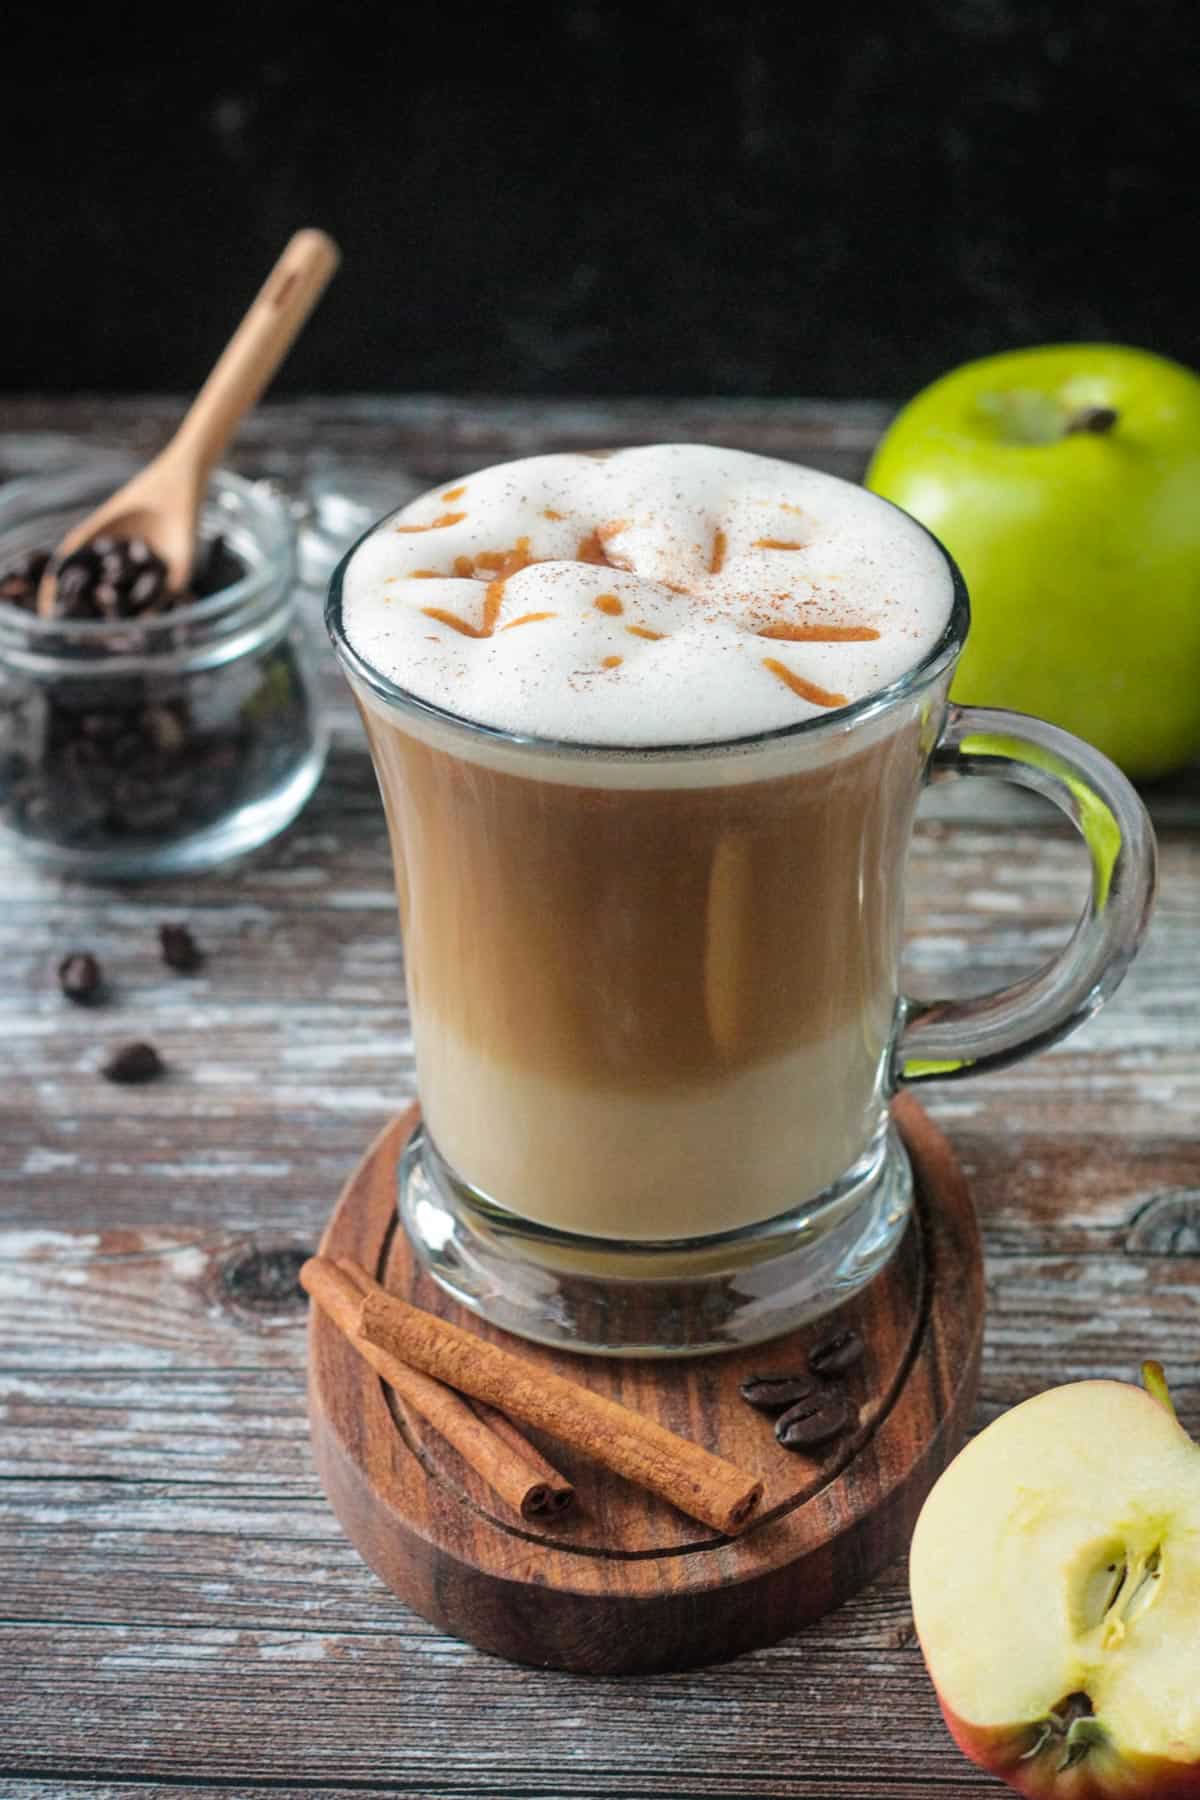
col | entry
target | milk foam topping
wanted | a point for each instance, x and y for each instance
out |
(676, 594)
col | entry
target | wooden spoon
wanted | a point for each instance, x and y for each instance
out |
(162, 502)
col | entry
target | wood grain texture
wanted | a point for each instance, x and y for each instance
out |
(179, 1609)
(629, 1584)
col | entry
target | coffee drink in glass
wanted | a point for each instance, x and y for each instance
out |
(650, 730)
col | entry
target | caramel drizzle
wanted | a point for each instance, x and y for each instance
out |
(502, 563)
(608, 603)
(528, 619)
(454, 621)
(591, 550)
(612, 662)
(820, 634)
(438, 523)
(548, 512)
(454, 493)
(422, 575)
(720, 544)
(777, 544)
(644, 631)
(807, 690)
(505, 562)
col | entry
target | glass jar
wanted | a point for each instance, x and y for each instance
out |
(154, 745)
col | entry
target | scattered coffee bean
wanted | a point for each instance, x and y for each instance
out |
(79, 977)
(134, 1063)
(814, 1421)
(180, 951)
(770, 1393)
(837, 1353)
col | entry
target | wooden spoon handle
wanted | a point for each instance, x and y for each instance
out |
(256, 349)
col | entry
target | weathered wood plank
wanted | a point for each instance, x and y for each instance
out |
(180, 1610)
(402, 1709)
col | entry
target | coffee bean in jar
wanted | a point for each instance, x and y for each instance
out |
(145, 731)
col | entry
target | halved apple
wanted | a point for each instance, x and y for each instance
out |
(1055, 1576)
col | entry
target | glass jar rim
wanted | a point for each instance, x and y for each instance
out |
(936, 660)
(186, 629)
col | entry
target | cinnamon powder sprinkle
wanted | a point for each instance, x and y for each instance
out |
(716, 561)
(777, 544)
(644, 631)
(548, 512)
(438, 523)
(807, 690)
(454, 493)
(528, 619)
(612, 662)
(820, 634)
(608, 603)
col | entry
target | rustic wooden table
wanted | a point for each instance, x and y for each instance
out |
(180, 1611)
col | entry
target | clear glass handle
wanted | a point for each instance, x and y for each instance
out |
(948, 1038)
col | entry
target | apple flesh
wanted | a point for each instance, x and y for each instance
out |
(1055, 1577)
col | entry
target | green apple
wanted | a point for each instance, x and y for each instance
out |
(1065, 482)
(1055, 1577)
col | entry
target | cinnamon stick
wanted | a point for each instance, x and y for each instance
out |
(514, 1476)
(559, 1494)
(704, 1486)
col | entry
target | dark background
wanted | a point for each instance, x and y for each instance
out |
(600, 199)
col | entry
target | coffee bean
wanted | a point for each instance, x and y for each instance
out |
(85, 561)
(180, 951)
(217, 567)
(132, 1063)
(836, 1353)
(31, 566)
(102, 728)
(769, 1393)
(146, 590)
(73, 593)
(814, 1421)
(19, 592)
(79, 977)
(164, 729)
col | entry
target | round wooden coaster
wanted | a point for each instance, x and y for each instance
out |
(625, 1583)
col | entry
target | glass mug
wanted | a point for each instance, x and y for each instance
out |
(656, 1006)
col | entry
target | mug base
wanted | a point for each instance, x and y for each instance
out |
(603, 1297)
